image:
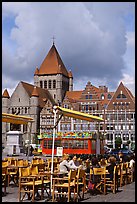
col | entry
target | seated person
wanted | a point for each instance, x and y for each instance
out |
(73, 163)
(95, 162)
(110, 167)
(64, 165)
(103, 162)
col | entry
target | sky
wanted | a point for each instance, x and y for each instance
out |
(96, 41)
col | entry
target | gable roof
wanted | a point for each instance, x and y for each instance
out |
(42, 93)
(5, 94)
(75, 95)
(126, 91)
(53, 64)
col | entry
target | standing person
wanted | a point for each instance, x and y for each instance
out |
(31, 150)
(26, 149)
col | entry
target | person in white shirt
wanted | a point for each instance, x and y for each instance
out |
(72, 163)
(131, 162)
(64, 165)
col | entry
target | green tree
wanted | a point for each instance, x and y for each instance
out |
(118, 142)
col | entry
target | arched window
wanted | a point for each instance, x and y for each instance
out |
(41, 84)
(102, 96)
(49, 84)
(54, 84)
(90, 96)
(109, 96)
(45, 84)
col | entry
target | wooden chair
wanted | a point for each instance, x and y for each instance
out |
(41, 161)
(13, 174)
(35, 161)
(119, 174)
(41, 167)
(100, 179)
(20, 162)
(130, 173)
(13, 161)
(29, 183)
(55, 165)
(124, 168)
(46, 177)
(25, 163)
(113, 184)
(4, 179)
(64, 186)
(81, 182)
(5, 163)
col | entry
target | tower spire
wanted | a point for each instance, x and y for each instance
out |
(53, 40)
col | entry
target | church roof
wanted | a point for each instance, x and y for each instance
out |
(5, 94)
(35, 92)
(74, 94)
(52, 63)
(42, 93)
(36, 71)
(70, 74)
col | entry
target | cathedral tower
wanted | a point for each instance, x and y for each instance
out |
(53, 75)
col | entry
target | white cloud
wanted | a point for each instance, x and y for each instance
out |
(129, 81)
(91, 42)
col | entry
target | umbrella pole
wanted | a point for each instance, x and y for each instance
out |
(54, 132)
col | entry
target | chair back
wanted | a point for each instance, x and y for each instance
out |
(13, 161)
(81, 173)
(99, 171)
(119, 169)
(25, 171)
(41, 161)
(33, 170)
(5, 163)
(20, 162)
(25, 163)
(123, 167)
(41, 167)
(35, 161)
(4, 170)
(72, 174)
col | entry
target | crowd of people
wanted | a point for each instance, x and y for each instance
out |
(90, 161)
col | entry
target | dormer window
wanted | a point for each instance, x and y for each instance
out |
(109, 96)
(102, 96)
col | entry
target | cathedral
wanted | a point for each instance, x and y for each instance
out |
(53, 84)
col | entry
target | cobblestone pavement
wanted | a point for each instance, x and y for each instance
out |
(126, 193)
